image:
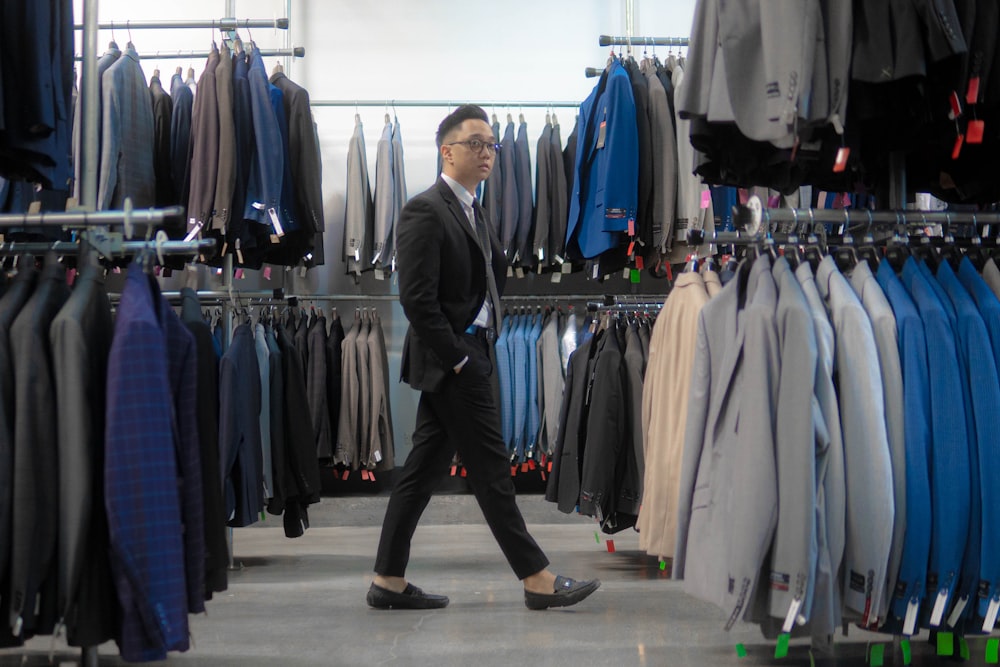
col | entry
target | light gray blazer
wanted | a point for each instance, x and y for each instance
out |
(553, 380)
(887, 341)
(359, 212)
(830, 493)
(868, 466)
(795, 552)
(384, 193)
(664, 157)
(728, 505)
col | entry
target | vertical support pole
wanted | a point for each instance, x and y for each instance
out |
(897, 180)
(90, 101)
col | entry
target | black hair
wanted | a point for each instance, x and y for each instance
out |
(457, 117)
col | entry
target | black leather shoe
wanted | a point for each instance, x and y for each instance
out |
(411, 598)
(567, 592)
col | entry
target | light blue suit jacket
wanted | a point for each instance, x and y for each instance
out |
(504, 378)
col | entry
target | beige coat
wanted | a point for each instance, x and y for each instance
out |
(664, 411)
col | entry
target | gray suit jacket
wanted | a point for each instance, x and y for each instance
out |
(830, 491)
(103, 63)
(493, 188)
(510, 206)
(348, 446)
(795, 552)
(868, 466)
(559, 195)
(80, 337)
(553, 381)
(364, 389)
(316, 388)
(887, 342)
(126, 136)
(204, 147)
(384, 193)
(359, 213)
(690, 189)
(225, 183)
(522, 163)
(728, 504)
(381, 452)
(398, 195)
(664, 156)
(543, 204)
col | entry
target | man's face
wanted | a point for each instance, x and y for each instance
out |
(467, 165)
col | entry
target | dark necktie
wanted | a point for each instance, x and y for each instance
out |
(487, 247)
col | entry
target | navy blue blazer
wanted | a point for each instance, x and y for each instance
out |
(146, 531)
(605, 192)
(180, 136)
(910, 584)
(949, 454)
(239, 430)
(522, 174)
(268, 167)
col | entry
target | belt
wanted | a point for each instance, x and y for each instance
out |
(486, 333)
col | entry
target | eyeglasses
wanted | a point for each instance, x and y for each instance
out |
(477, 146)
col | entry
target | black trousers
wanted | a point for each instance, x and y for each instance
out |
(464, 415)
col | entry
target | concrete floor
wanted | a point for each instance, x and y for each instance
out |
(301, 603)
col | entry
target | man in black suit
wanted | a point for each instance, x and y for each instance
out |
(451, 271)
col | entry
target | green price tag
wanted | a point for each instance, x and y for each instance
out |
(634, 275)
(597, 537)
(877, 655)
(781, 650)
(963, 648)
(993, 651)
(907, 655)
(663, 566)
(945, 643)
(741, 651)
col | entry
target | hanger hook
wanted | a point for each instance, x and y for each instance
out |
(249, 34)
(113, 38)
(868, 230)
(128, 27)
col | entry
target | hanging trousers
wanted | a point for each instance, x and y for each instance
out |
(463, 416)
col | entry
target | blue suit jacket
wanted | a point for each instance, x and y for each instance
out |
(147, 545)
(180, 135)
(989, 466)
(534, 416)
(268, 168)
(949, 457)
(504, 378)
(917, 435)
(509, 206)
(605, 191)
(982, 392)
(519, 371)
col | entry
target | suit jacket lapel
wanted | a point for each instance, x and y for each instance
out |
(461, 219)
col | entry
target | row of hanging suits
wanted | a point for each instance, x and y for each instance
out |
(829, 107)
(532, 352)
(633, 194)
(238, 150)
(370, 218)
(886, 520)
(110, 524)
(598, 460)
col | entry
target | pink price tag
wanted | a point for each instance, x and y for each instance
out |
(239, 274)
(70, 277)
(267, 273)
(706, 198)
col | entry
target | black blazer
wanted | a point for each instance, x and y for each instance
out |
(442, 283)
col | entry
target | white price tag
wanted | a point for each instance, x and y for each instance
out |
(510, 272)
(567, 267)
(302, 272)
(541, 254)
(275, 223)
(627, 273)
(956, 613)
(378, 456)
(793, 612)
(991, 614)
(557, 277)
(193, 232)
(519, 272)
(379, 274)
(938, 612)
(239, 252)
(910, 622)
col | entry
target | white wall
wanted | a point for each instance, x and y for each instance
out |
(406, 49)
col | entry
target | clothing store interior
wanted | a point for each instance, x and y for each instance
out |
(746, 373)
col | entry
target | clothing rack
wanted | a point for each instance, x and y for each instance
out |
(608, 40)
(225, 24)
(151, 216)
(8, 248)
(294, 52)
(441, 103)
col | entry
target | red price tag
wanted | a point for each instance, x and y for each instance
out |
(611, 546)
(371, 475)
(513, 471)
(347, 473)
(550, 466)
(631, 226)
(364, 475)
(524, 467)
(465, 473)
(956, 151)
(631, 247)
(974, 133)
(972, 94)
(956, 105)
(454, 470)
(638, 262)
(531, 464)
(840, 163)
(670, 272)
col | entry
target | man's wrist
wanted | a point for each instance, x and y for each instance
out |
(458, 367)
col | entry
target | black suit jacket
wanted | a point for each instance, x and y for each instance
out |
(316, 387)
(333, 374)
(442, 283)
(568, 456)
(644, 211)
(216, 547)
(163, 108)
